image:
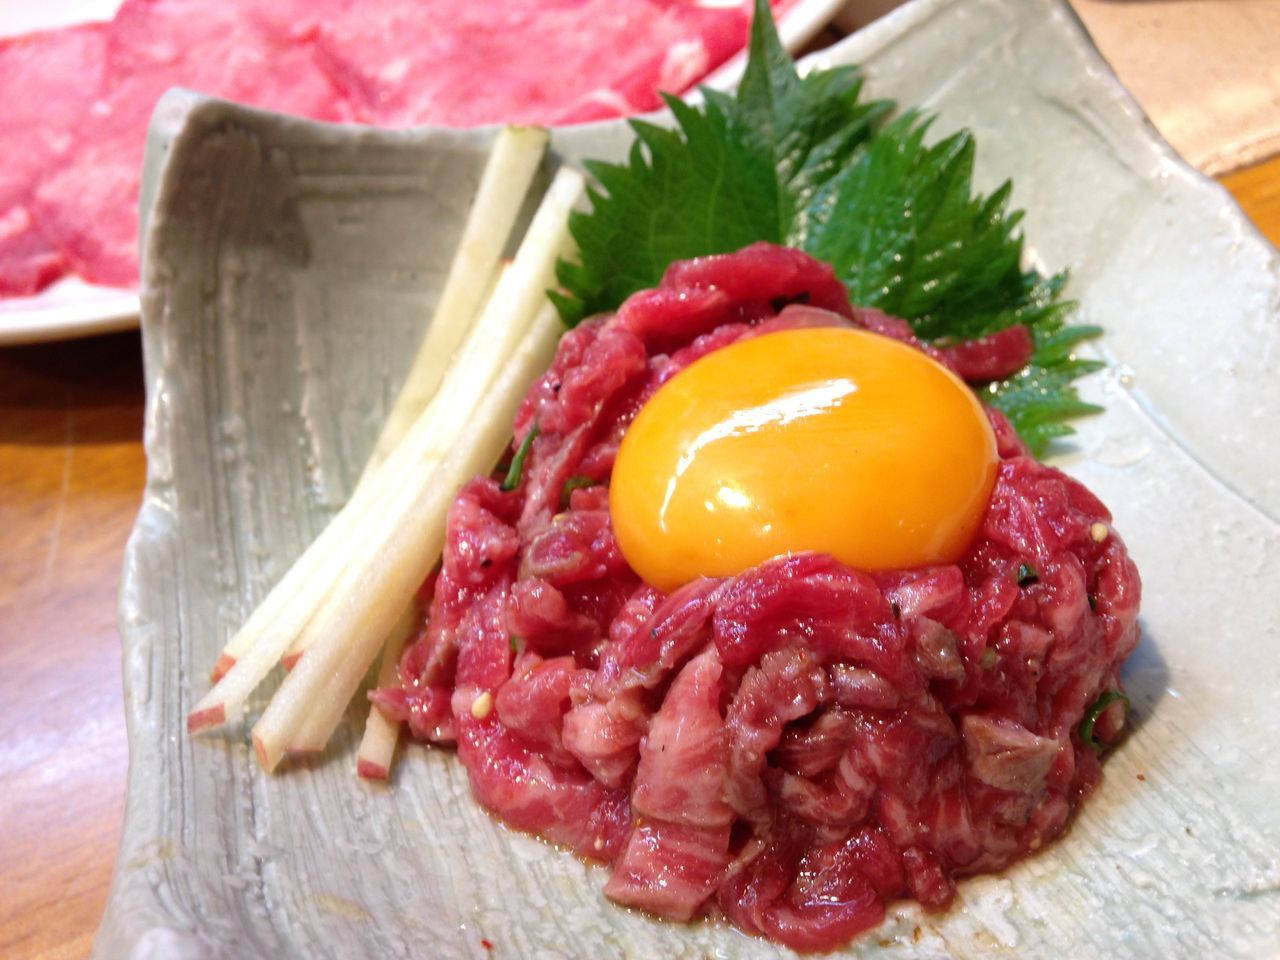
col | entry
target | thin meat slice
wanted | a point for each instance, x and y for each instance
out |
(39, 121)
(683, 759)
(518, 784)
(670, 869)
(991, 357)
(786, 685)
(426, 709)
(805, 594)
(811, 897)
(523, 61)
(533, 702)
(29, 262)
(539, 614)
(1006, 755)
(605, 743)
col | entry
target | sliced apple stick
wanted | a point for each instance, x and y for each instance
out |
(299, 645)
(503, 187)
(495, 337)
(505, 182)
(284, 614)
(378, 745)
(389, 561)
(377, 750)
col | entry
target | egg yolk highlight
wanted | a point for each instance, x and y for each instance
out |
(825, 439)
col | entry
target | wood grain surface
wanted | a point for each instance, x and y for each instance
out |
(71, 477)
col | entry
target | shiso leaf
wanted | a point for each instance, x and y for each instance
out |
(804, 161)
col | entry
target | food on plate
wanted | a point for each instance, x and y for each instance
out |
(765, 610)
(79, 99)
(794, 741)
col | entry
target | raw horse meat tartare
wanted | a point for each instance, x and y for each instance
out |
(794, 747)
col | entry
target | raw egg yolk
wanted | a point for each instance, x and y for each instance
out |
(825, 439)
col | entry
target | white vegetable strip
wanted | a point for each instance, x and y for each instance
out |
(285, 612)
(300, 643)
(388, 563)
(503, 187)
(378, 745)
(381, 734)
(505, 182)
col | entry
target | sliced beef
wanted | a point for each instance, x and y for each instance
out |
(523, 61)
(77, 101)
(43, 112)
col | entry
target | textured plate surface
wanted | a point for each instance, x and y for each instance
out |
(287, 268)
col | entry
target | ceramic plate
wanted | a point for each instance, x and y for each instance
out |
(289, 267)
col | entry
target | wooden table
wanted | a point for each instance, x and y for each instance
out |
(71, 476)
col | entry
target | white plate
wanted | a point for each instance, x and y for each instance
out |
(277, 325)
(72, 308)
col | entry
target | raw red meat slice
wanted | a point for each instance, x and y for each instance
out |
(803, 742)
(89, 206)
(670, 868)
(607, 745)
(533, 702)
(523, 61)
(42, 113)
(993, 357)
(683, 760)
(28, 261)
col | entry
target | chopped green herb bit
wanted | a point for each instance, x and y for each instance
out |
(517, 644)
(1027, 575)
(990, 659)
(1093, 713)
(572, 484)
(516, 471)
(809, 163)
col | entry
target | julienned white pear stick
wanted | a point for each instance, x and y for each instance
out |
(299, 645)
(381, 734)
(284, 614)
(504, 184)
(503, 187)
(496, 336)
(378, 744)
(391, 559)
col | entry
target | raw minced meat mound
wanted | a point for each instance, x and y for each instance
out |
(794, 747)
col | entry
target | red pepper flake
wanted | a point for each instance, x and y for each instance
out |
(486, 944)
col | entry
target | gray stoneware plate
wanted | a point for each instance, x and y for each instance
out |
(288, 266)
